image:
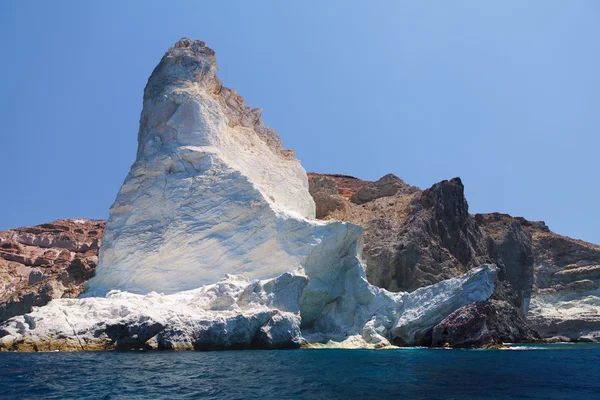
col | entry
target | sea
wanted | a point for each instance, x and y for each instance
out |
(557, 371)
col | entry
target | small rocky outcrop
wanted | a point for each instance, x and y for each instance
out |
(388, 185)
(45, 262)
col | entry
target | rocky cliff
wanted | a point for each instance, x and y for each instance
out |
(50, 261)
(413, 237)
(217, 217)
(45, 262)
(38, 264)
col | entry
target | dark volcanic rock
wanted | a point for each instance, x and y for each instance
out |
(45, 262)
(466, 327)
(510, 246)
(482, 324)
(447, 238)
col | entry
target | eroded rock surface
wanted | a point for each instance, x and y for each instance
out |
(45, 262)
(482, 324)
(212, 191)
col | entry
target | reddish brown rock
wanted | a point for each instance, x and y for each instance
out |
(44, 262)
(465, 327)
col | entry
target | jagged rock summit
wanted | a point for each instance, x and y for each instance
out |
(212, 243)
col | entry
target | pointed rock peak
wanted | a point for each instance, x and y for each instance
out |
(452, 183)
(456, 181)
(447, 197)
(188, 61)
(387, 185)
(190, 66)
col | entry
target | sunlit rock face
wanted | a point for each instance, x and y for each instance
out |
(212, 191)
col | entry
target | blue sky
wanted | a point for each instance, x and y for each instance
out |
(504, 94)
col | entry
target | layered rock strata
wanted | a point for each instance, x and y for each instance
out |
(45, 262)
(565, 297)
(212, 192)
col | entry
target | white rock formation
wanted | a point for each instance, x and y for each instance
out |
(212, 192)
(233, 313)
(237, 313)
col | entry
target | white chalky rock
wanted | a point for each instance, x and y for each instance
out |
(212, 192)
(237, 313)
(234, 313)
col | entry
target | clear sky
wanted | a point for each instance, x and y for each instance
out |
(504, 94)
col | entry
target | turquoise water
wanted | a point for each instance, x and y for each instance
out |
(526, 372)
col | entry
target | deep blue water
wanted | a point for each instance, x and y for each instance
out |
(549, 372)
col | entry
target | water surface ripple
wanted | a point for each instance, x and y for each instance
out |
(534, 372)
